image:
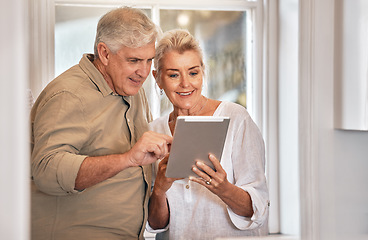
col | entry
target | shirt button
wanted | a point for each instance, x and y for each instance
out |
(187, 186)
(128, 120)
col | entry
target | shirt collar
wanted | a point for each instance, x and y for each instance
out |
(86, 64)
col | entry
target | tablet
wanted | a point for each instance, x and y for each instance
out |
(194, 138)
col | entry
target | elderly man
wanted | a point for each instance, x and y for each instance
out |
(91, 151)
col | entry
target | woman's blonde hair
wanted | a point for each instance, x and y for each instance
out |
(179, 40)
(129, 27)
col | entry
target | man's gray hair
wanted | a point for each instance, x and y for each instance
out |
(126, 26)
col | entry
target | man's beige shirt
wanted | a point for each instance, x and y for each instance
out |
(78, 115)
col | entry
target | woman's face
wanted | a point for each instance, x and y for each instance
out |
(182, 79)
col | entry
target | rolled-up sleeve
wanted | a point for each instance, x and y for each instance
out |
(59, 130)
(249, 174)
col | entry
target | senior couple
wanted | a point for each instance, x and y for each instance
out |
(95, 147)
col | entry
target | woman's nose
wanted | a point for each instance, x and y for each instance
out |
(184, 81)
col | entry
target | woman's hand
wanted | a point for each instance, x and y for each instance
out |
(162, 183)
(216, 181)
(158, 208)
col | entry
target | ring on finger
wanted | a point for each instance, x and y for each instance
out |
(209, 181)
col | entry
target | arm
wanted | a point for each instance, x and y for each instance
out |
(158, 208)
(149, 148)
(59, 132)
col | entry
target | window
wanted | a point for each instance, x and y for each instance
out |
(231, 36)
(225, 37)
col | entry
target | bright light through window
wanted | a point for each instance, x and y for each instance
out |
(222, 36)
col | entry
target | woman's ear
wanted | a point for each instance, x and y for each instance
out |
(103, 53)
(154, 73)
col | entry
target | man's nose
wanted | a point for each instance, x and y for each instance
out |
(144, 69)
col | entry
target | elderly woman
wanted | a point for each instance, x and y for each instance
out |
(231, 201)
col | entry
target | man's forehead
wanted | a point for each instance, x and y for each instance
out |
(145, 52)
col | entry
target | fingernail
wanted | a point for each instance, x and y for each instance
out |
(200, 163)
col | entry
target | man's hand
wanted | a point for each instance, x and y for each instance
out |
(149, 148)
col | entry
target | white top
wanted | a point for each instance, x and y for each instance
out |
(197, 213)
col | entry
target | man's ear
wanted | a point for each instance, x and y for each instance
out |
(103, 53)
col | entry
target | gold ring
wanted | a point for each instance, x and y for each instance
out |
(209, 182)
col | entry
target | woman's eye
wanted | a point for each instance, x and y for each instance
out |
(173, 75)
(193, 73)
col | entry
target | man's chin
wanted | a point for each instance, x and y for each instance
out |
(129, 92)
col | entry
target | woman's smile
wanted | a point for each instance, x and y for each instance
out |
(185, 93)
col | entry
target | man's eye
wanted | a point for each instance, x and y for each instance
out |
(133, 60)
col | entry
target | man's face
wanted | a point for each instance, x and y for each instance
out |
(128, 69)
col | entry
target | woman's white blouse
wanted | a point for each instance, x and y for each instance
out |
(197, 213)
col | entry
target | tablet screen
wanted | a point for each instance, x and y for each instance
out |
(195, 137)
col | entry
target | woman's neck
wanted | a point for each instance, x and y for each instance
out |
(196, 110)
(207, 108)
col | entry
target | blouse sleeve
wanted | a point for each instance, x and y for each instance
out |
(59, 131)
(248, 159)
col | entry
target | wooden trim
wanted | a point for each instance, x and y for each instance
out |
(42, 22)
(223, 5)
(308, 141)
(270, 110)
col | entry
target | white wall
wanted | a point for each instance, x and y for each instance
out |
(351, 59)
(338, 159)
(14, 170)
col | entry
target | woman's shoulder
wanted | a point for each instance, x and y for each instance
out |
(232, 110)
